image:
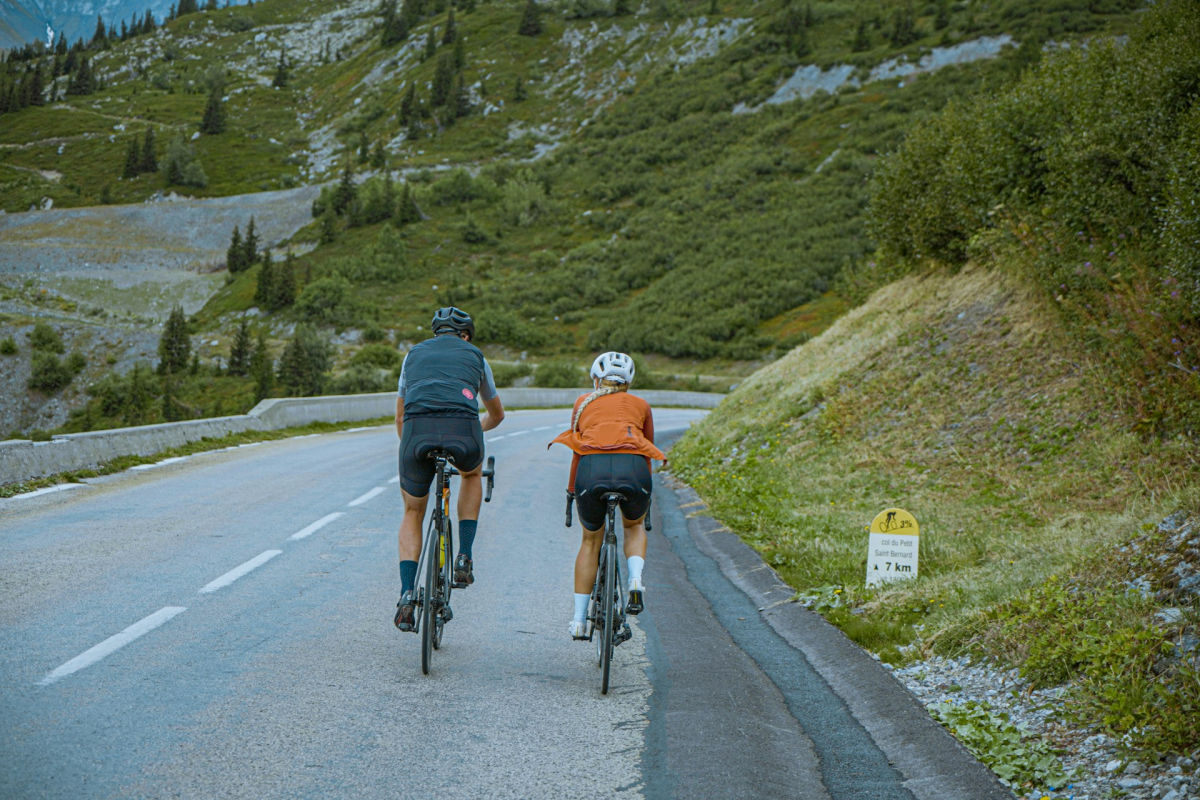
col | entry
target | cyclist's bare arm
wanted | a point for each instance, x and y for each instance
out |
(399, 417)
(494, 415)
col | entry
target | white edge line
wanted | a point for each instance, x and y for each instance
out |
(237, 572)
(162, 463)
(112, 644)
(316, 526)
(358, 501)
(57, 488)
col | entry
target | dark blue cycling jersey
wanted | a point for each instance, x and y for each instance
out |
(445, 376)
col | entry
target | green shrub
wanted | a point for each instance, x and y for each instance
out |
(7, 346)
(45, 338)
(508, 374)
(377, 355)
(48, 373)
(559, 375)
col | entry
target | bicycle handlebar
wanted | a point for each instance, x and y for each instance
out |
(490, 474)
(570, 497)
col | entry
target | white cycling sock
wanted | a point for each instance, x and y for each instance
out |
(635, 570)
(581, 604)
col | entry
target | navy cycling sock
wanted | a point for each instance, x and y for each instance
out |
(408, 575)
(466, 535)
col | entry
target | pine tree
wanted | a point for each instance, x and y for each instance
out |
(328, 225)
(862, 39)
(133, 160)
(430, 44)
(451, 32)
(233, 256)
(264, 290)
(137, 397)
(249, 246)
(378, 156)
(408, 106)
(262, 367)
(406, 209)
(174, 346)
(304, 362)
(282, 76)
(82, 81)
(283, 285)
(214, 113)
(149, 161)
(239, 351)
(100, 37)
(519, 91)
(443, 81)
(344, 194)
(531, 23)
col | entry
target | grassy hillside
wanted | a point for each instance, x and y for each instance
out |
(674, 207)
(1028, 388)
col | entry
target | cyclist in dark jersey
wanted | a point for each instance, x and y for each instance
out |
(437, 406)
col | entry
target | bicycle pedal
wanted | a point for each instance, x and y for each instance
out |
(623, 635)
(447, 613)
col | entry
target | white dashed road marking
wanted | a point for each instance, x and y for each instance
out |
(112, 644)
(237, 572)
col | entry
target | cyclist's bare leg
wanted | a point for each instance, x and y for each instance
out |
(585, 562)
(635, 536)
(470, 494)
(410, 526)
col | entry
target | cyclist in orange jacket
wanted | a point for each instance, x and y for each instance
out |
(612, 437)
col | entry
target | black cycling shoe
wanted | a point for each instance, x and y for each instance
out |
(636, 602)
(406, 617)
(464, 575)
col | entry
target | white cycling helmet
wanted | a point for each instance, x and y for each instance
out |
(613, 366)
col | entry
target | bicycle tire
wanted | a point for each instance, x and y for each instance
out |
(429, 619)
(610, 578)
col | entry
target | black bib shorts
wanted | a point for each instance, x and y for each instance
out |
(461, 437)
(598, 473)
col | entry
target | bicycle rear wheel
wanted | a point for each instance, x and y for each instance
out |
(608, 591)
(430, 619)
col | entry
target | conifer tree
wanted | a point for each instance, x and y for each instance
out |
(133, 159)
(239, 351)
(328, 225)
(531, 22)
(100, 37)
(82, 81)
(283, 284)
(443, 81)
(264, 291)
(282, 75)
(214, 113)
(233, 256)
(149, 161)
(174, 346)
(137, 397)
(451, 32)
(408, 106)
(344, 194)
(304, 362)
(406, 208)
(262, 367)
(430, 44)
(249, 246)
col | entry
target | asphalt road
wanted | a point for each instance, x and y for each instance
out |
(220, 626)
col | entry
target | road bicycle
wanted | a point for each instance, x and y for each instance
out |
(437, 558)
(606, 608)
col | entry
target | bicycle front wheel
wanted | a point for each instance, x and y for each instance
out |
(430, 618)
(606, 602)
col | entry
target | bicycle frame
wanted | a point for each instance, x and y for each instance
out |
(606, 612)
(435, 561)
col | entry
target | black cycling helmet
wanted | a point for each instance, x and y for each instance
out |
(453, 319)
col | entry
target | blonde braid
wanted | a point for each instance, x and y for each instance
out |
(606, 387)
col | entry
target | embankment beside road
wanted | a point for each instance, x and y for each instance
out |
(22, 459)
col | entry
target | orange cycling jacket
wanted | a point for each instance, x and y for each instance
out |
(612, 423)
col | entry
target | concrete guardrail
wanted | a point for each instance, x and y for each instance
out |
(22, 460)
